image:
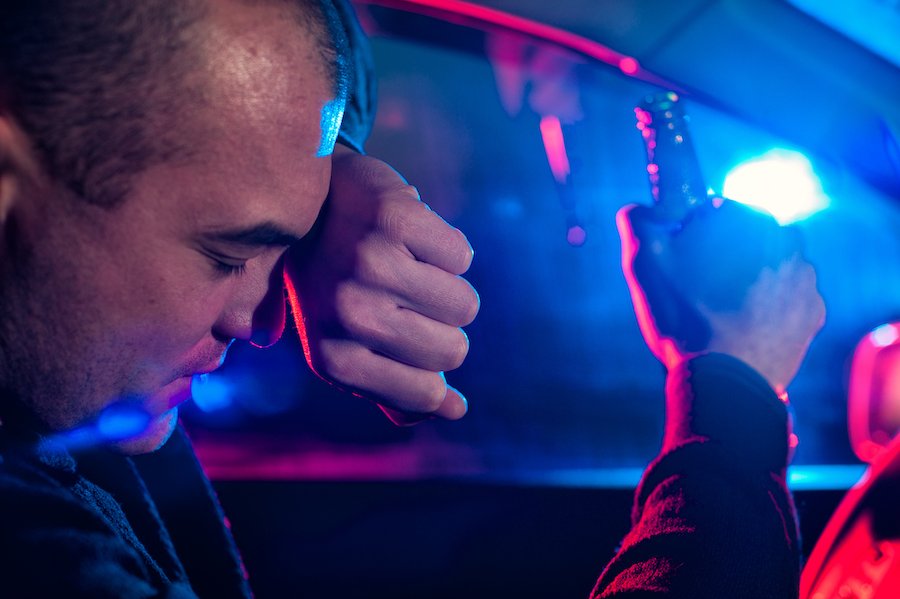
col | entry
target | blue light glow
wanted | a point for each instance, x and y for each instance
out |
(871, 23)
(122, 421)
(781, 182)
(818, 477)
(825, 477)
(886, 334)
(211, 392)
(332, 113)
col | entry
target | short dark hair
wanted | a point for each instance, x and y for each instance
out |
(88, 79)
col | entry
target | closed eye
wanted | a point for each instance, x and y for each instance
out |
(225, 265)
(229, 269)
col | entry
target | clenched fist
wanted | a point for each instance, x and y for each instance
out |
(377, 293)
(728, 280)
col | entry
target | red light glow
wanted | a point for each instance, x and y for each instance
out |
(629, 66)
(473, 15)
(872, 402)
(555, 147)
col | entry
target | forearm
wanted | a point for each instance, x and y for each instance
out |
(713, 516)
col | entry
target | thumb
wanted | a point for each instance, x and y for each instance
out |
(645, 238)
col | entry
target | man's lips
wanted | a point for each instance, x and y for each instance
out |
(179, 390)
(182, 386)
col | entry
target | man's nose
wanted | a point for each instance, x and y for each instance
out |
(267, 323)
(256, 312)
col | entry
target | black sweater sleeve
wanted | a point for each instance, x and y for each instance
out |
(713, 516)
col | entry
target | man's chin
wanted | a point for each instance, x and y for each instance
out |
(154, 436)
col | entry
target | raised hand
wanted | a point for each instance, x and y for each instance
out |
(377, 293)
(728, 280)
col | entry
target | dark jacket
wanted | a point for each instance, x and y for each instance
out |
(90, 524)
(713, 516)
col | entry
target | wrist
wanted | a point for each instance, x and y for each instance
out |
(719, 398)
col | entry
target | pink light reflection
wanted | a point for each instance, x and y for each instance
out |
(555, 147)
(254, 456)
(629, 65)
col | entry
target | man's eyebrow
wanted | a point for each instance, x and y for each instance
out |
(261, 235)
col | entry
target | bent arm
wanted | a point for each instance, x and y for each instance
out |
(713, 516)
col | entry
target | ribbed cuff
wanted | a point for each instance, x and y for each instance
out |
(718, 398)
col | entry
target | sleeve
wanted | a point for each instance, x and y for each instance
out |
(53, 546)
(359, 114)
(712, 515)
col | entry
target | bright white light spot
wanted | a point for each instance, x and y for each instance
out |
(781, 182)
(886, 334)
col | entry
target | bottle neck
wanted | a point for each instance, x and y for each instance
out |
(676, 182)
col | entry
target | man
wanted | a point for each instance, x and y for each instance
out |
(162, 163)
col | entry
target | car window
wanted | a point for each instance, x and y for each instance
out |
(561, 387)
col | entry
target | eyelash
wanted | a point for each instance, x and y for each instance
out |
(234, 270)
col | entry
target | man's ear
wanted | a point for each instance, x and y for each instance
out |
(19, 168)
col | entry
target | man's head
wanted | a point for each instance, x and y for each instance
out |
(156, 159)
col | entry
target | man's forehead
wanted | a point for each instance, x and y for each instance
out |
(263, 129)
(265, 70)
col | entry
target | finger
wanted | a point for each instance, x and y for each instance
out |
(434, 293)
(819, 311)
(392, 384)
(800, 286)
(630, 244)
(411, 338)
(453, 407)
(423, 288)
(639, 224)
(669, 324)
(645, 243)
(430, 239)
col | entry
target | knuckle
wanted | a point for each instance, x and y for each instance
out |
(410, 193)
(393, 221)
(371, 266)
(337, 363)
(353, 312)
(346, 301)
(400, 211)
